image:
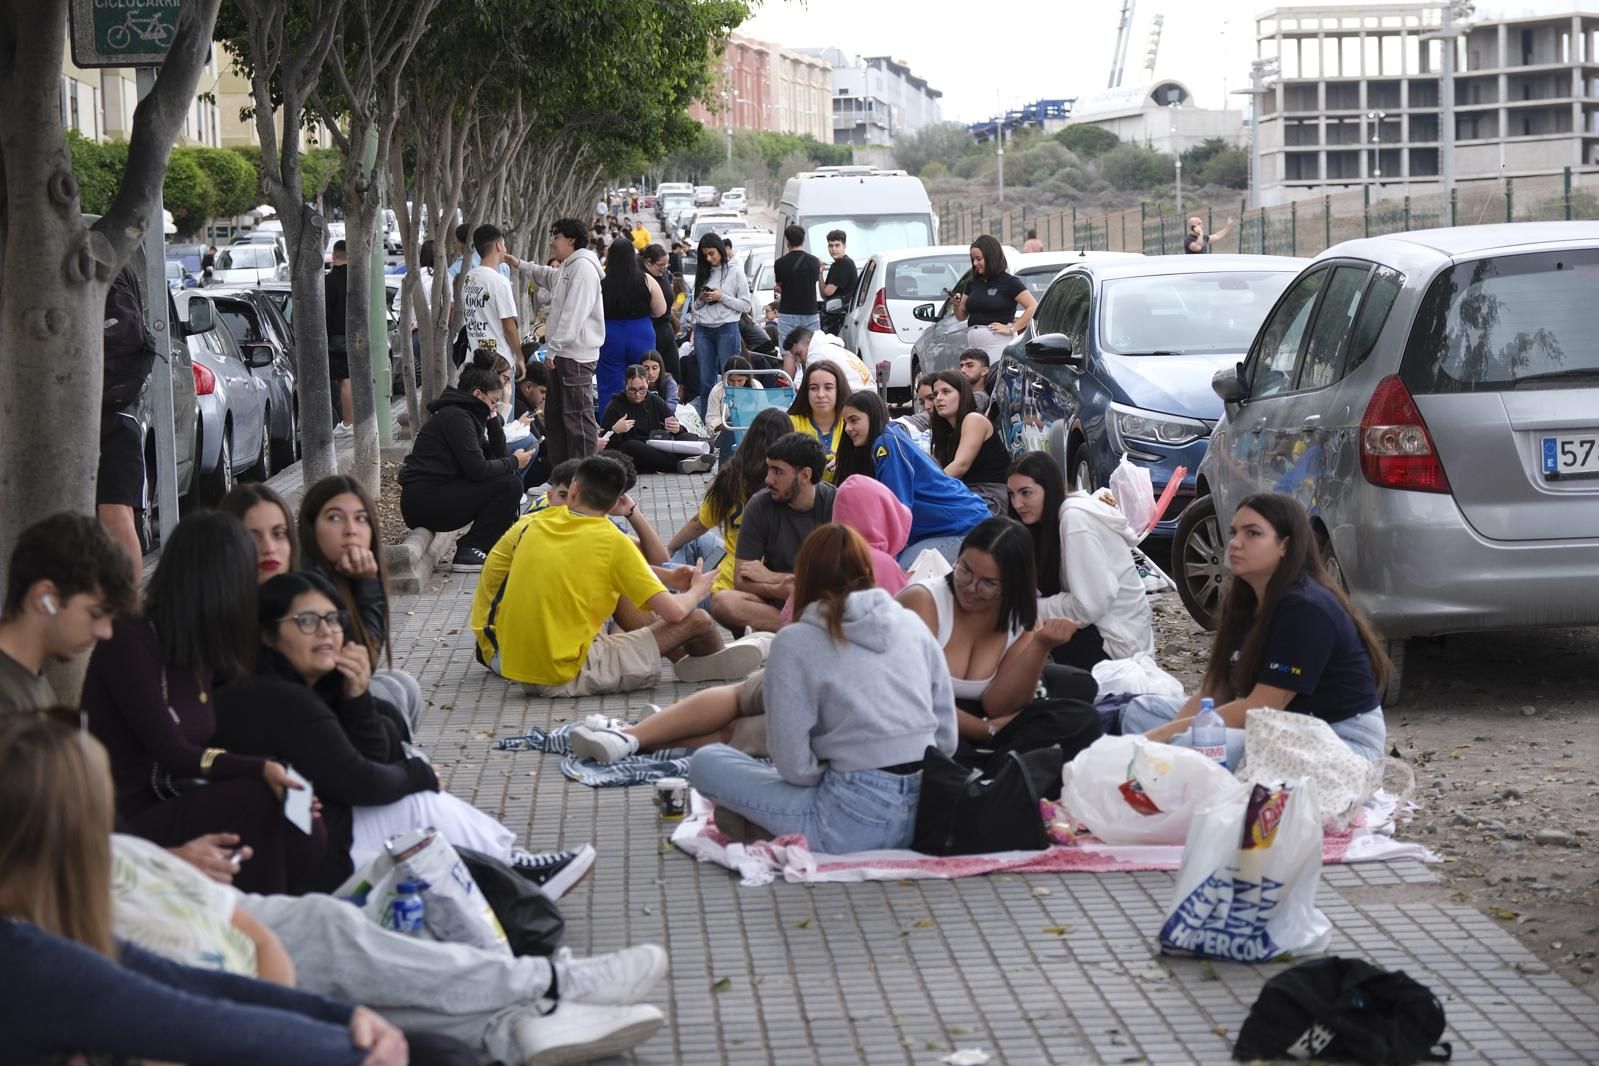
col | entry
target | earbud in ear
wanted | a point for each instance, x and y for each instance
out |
(49, 605)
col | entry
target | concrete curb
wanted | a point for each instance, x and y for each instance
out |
(411, 561)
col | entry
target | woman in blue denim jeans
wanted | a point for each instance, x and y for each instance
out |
(1288, 638)
(855, 691)
(721, 296)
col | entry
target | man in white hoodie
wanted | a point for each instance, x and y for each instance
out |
(573, 333)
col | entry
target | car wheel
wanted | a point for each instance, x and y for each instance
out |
(261, 469)
(1330, 563)
(1396, 674)
(1082, 469)
(283, 448)
(1199, 561)
(148, 520)
(217, 483)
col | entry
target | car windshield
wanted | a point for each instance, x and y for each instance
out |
(1198, 313)
(246, 257)
(867, 234)
(1496, 322)
(925, 279)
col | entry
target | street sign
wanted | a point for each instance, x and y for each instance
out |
(123, 33)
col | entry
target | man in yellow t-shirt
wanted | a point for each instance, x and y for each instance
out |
(568, 571)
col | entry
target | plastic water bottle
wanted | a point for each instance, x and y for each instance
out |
(407, 908)
(1208, 734)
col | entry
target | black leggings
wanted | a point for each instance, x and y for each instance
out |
(646, 459)
(488, 506)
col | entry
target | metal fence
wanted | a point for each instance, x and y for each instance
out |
(1303, 227)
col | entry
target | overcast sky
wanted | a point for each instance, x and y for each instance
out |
(984, 56)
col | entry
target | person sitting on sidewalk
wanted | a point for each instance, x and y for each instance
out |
(66, 582)
(498, 1003)
(815, 408)
(803, 346)
(58, 938)
(943, 509)
(974, 367)
(568, 573)
(846, 741)
(662, 383)
(776, 522)
(637, 414)
(965, 443)
(1083, 549)
(457, 474)
(716, 414)
(270, 523)
(1288, 638)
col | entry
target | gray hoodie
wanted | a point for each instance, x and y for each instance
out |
(1099, 581)
(879, 699)
(575, 328)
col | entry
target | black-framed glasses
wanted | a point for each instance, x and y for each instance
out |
(984, 587)
(308, 622)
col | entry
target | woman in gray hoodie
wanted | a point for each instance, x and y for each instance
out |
(855, 692)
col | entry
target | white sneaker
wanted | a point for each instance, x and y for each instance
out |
(695, 464)
(601, 745)
(617, 979)
(735, 662)
(582, 1032)
(343, 430)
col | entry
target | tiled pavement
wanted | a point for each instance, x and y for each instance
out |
(906, 972)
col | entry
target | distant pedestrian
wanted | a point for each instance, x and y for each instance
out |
(840, 281)
(1197, 241)
(208, 264)
(797, 274)
(1032, 244)
(989, 306)
(721, 296)
(574, 332)
(335, 292)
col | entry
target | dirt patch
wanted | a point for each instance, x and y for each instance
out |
(388, 501)
(1502, 732)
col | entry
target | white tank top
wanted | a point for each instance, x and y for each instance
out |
(944, 603)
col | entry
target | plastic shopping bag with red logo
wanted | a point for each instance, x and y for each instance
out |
(1246, 891)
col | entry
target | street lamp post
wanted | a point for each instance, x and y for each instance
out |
(999, 151)
(1177, 151)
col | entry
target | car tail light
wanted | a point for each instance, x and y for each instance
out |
(205, 382)
(1396, 451)
(880, 322)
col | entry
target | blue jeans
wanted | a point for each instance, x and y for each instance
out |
(713, 346)
(1366, 734)
(785, 323)
(856, 810)
(948, 546)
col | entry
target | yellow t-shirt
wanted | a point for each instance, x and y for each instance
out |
(566, 575)
(829, 442)
(729, 528)
(490, 584)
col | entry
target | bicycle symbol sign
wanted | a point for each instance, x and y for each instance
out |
(123, 32)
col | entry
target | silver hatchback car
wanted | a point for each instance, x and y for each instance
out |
(1432, 398)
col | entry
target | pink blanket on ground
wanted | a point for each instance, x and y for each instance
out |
(789, 857)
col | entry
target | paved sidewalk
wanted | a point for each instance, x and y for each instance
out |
(906, 972)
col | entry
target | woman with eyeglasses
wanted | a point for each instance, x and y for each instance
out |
(152, 696)
(984, 615)
(633, 416)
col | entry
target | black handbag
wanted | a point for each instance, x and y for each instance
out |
(963, 812)
(1344, 1010)
(532, 922)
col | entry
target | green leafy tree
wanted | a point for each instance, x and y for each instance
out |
(941, 142)
(234, 178)
(1229, 167)
(1088, 141)
(1132, 166)
(188, 193)
(96, 168)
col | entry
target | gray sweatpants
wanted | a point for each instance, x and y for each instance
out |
(472, 995)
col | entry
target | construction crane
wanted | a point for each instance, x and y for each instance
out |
(1124, 32)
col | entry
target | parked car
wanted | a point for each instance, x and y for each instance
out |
(250, 263)
(1432, 398)
(179, 276)
(267, 345)
(762, 289)
(734, 198)
(1119, 360)
(189, 255)
(718, 222)
(879, 325)
(185, 422)
(705, 195)
(233, 441)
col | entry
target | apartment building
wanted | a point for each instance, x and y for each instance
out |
(876, 98)
(1357, 99)
(99, 103)
(766, 86)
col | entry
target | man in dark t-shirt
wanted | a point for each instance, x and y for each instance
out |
(797, 276)
(842, 277)
(1197, 241)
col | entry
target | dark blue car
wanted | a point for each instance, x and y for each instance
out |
(1119, 358)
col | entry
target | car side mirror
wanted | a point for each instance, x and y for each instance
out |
(925, 313)
(1051, 348)
(833, 305)
(257, 356)
(201, 319)
(1228, 383)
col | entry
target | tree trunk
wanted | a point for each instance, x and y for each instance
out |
(360, 225)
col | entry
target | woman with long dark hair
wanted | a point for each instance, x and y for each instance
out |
(721, 295)
(632, 299)
(1288, 638)
(1083, 547)
(965, 442)
(815, 408)
(270, 524)
(151, 696)
(856, 691)
(993, 295)
(943, 510)
(658, 266)
(722, 508)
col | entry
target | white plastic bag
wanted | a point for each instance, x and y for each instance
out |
(690, 420)
(1134, 493)
(929, 566)
(1246, 891)
(1284, 746)
(455, 910)
(1132, 790)
(1138, 676)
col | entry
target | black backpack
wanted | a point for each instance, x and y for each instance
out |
(130, 348)
(1344, 1010)
(962, 812)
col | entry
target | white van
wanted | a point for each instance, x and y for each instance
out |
(878, 210)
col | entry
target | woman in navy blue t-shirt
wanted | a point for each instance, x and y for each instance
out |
(1288, 638)
(989, 304)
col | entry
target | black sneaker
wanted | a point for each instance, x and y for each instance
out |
(554, 871)
(469, 560)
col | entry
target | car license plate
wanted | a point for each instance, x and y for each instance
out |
(1574, 456)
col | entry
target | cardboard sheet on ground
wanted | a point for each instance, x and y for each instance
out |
(1369, 839)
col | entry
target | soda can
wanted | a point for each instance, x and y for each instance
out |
(671, 797)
